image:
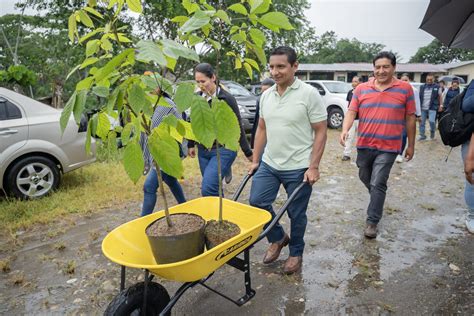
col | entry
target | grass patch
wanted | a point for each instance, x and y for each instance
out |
(102, 185)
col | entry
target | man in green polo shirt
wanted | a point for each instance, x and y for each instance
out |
(291, 134)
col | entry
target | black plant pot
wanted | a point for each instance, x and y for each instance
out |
(174, 248)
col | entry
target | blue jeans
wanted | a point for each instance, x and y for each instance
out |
(374, 170)
(151, 186)
(431, 115)
(208, 165)
(469, 188)
(265, 185)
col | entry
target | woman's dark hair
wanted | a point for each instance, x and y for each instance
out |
(205, 69)
(285, 50)
(385, 54)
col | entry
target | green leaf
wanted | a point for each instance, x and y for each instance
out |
(275, 20)
(133, 161)
(66, 113)
(198, 20)
(72, 27)
(252, 63)
(149, 51)
(215, 44)
(238, 8)
(123, 39)
(101, 91)
(88, 62)
(112, 65)
(105, 44)
(180, 19)
(90, 34)
(92, 3)
(79, 105)
(206, 29)
(91, 47)
(171, 120)
(72, 71)
(193, 39)
(135, 6)
(112, 100)
(248, 68)
(103, 125)
(112, 143)
(260, 55)
(84, 84)
(85, 19)
(137, 98)
(176, 50)
(221, 14)
(188, 130)
(234, 29)
(184, 96)
(254, 4)
(262, 8)
(239, 37)
(88, 137)
(165, 151)
(94, 12)
(126, 133)
(202, 122)
(190, 6)
(227, 124)
(238, 63)
(257, 36)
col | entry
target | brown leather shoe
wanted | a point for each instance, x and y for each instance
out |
(273, 252)
(370, 231)
(293, 264)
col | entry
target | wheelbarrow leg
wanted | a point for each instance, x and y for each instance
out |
(249, 292)
(122, 278)
(145, 292)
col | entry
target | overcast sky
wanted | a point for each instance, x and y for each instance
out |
(393, 23)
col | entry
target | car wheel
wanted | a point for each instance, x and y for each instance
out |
(335, 118)
(32, 177)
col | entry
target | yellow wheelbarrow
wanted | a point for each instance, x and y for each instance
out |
(127, 245)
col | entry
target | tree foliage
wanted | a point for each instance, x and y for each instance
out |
(436, 53)
(329, 49)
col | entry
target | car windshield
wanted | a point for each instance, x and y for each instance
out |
(337, 87)
(237, 90)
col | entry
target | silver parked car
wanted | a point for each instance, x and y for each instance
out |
(33, 151)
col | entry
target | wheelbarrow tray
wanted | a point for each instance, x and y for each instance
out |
(128, 244)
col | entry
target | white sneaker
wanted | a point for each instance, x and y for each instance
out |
(470, 224)
(399, 159)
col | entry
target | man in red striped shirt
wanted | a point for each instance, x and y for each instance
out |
(385, 106)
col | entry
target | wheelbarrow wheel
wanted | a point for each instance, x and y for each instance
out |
(130, 301)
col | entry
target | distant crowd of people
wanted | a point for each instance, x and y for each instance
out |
(289, 137)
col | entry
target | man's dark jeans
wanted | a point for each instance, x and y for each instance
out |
(374, 170)
(265, 185)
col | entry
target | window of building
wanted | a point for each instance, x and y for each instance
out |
(321, 76)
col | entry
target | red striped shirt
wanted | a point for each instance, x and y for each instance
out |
(382, 114)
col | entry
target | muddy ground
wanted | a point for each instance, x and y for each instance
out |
(421, 263)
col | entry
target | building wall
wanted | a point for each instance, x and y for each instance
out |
(466, 70)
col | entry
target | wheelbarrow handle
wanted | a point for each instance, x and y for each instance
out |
(241, 186)
(281, 211)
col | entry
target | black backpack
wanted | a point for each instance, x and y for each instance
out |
(456, 126)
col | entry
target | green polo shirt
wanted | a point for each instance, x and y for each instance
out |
(288, 121)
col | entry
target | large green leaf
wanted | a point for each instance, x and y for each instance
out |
(248, 69)
(176, 50)
(150, 51)
(103, 125)
(198, 20)
(79, 105)
(253, 63)
(202, 122)
(227, 124)
(275, 21)
(258, 37)
(85, 19)
(133, 161)
(66, 113)
(72, 26)
(126, 133)
(221, 14)
(238, 8)
(262, 8)
(165, 151)
(112, 65)
(89, 137)
(85, 83)
(171, 120)
(184, 96)
(190, 6)
(101, 91)
(88, 62)
(137, 98)
(135, 5)
(91, 47)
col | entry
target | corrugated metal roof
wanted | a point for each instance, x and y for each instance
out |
(457, 64)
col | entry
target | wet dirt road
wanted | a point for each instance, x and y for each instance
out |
(422, 262)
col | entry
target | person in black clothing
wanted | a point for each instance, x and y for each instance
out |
(266, 83)
(206, 79)
(353, 131)
(451, 93)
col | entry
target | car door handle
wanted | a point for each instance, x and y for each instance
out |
(8, 131)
